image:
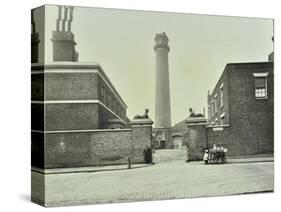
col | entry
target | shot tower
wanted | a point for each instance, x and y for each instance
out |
(162, 97)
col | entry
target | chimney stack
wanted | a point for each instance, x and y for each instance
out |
(63, 38)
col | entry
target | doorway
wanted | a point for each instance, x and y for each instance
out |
(162, 144)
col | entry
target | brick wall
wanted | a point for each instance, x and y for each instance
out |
(88, 149)
(141, 138)
(226, 138)
(101, 147)
(251, 119)
(72, 116)
(71, 86)
(196, 140)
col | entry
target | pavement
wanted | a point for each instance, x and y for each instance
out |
(167, 180)
(87, 169)
(251, 159)
(161, 156)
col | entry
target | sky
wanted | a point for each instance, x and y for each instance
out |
(122, 42)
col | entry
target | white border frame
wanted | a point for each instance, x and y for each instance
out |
(15, 107)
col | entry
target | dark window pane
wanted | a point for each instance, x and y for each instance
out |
(260, 82)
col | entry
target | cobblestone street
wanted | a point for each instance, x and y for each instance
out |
(169, 180)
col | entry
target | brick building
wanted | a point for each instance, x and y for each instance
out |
(240, 114)
(72, 87)
(78, 119)
(240, 109)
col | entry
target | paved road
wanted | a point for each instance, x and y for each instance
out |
(175, 179)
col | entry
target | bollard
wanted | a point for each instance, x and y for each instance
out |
(152, 155)
(129, 163)
(187, 155)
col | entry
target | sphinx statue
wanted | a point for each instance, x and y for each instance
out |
(193, 114)
(144, 116)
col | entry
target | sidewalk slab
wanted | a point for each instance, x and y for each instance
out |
(250, 160)
(87, 169)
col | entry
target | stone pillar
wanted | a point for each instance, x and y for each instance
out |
(63, 38)
(162, 98)
(141, 138)
(196, 137)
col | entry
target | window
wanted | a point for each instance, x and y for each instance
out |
(209, 111)
(113, 105)
(108, 100)
(222, 119)
(221, 95)
(119, 110)
(213, 109)
(102, 93)
(260, 85)
(121, 114)
(216, 103)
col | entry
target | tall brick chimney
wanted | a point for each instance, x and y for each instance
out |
(162, 97)
(63, 38)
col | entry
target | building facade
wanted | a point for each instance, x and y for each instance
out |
(68, 100)
(240, 109)
(178, 135)
(76, 89)
(240, 114)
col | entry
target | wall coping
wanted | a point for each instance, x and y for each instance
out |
(196, 120)
(215, 126)
(116, 121)
(141, 122)
(79, 131)
(162, 128)
(197, 124)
